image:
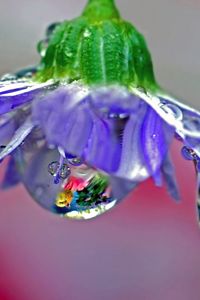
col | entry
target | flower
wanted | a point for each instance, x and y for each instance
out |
(93, 101)
(75, 184)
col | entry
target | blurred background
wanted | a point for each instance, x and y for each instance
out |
(148, 248)
(170, 27)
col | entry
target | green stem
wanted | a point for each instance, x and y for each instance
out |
(98, 10)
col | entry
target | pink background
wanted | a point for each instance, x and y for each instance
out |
(147, 248)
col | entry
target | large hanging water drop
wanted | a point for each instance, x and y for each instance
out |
(80, 192)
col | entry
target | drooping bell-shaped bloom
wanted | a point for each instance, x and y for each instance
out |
(90, 122)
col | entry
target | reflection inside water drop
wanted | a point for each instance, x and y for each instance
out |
(80, 192)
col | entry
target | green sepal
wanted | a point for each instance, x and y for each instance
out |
(98, 48)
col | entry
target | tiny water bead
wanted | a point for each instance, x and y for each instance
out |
(42, 47)
(55, 168)
(190, 154)
(51, 28)
(43, 44)
(18, 77)
(76, 161)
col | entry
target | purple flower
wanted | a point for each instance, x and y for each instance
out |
(124, 133)
(99, 117)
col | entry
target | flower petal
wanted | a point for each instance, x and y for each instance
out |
(77, 137)
(156, 136)
(19, 136)
(170, 178)
(190, 131)
(14, 87)
(104, 148)
(7, 129)
(11, 177)
(15, 95)
(184, 119)
(132, 164)
(59, 115)
(114, 100)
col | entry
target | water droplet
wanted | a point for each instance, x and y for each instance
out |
(141, 89)
(42, 47)
(87, 33)
(172, 110)
(69, 54)
(59, 171)
(28, 72)
(51, 28)
(53, 167)
(8, 77)
(114, 116)
(75, 161)
(64, 171)
(85, 193)
(188, 153)
(192, 124)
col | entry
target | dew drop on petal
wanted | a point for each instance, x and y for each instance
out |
(75, 161)
(59, 171)
(64, 171)
(172, 110)
(53, 167)
(187, 153)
